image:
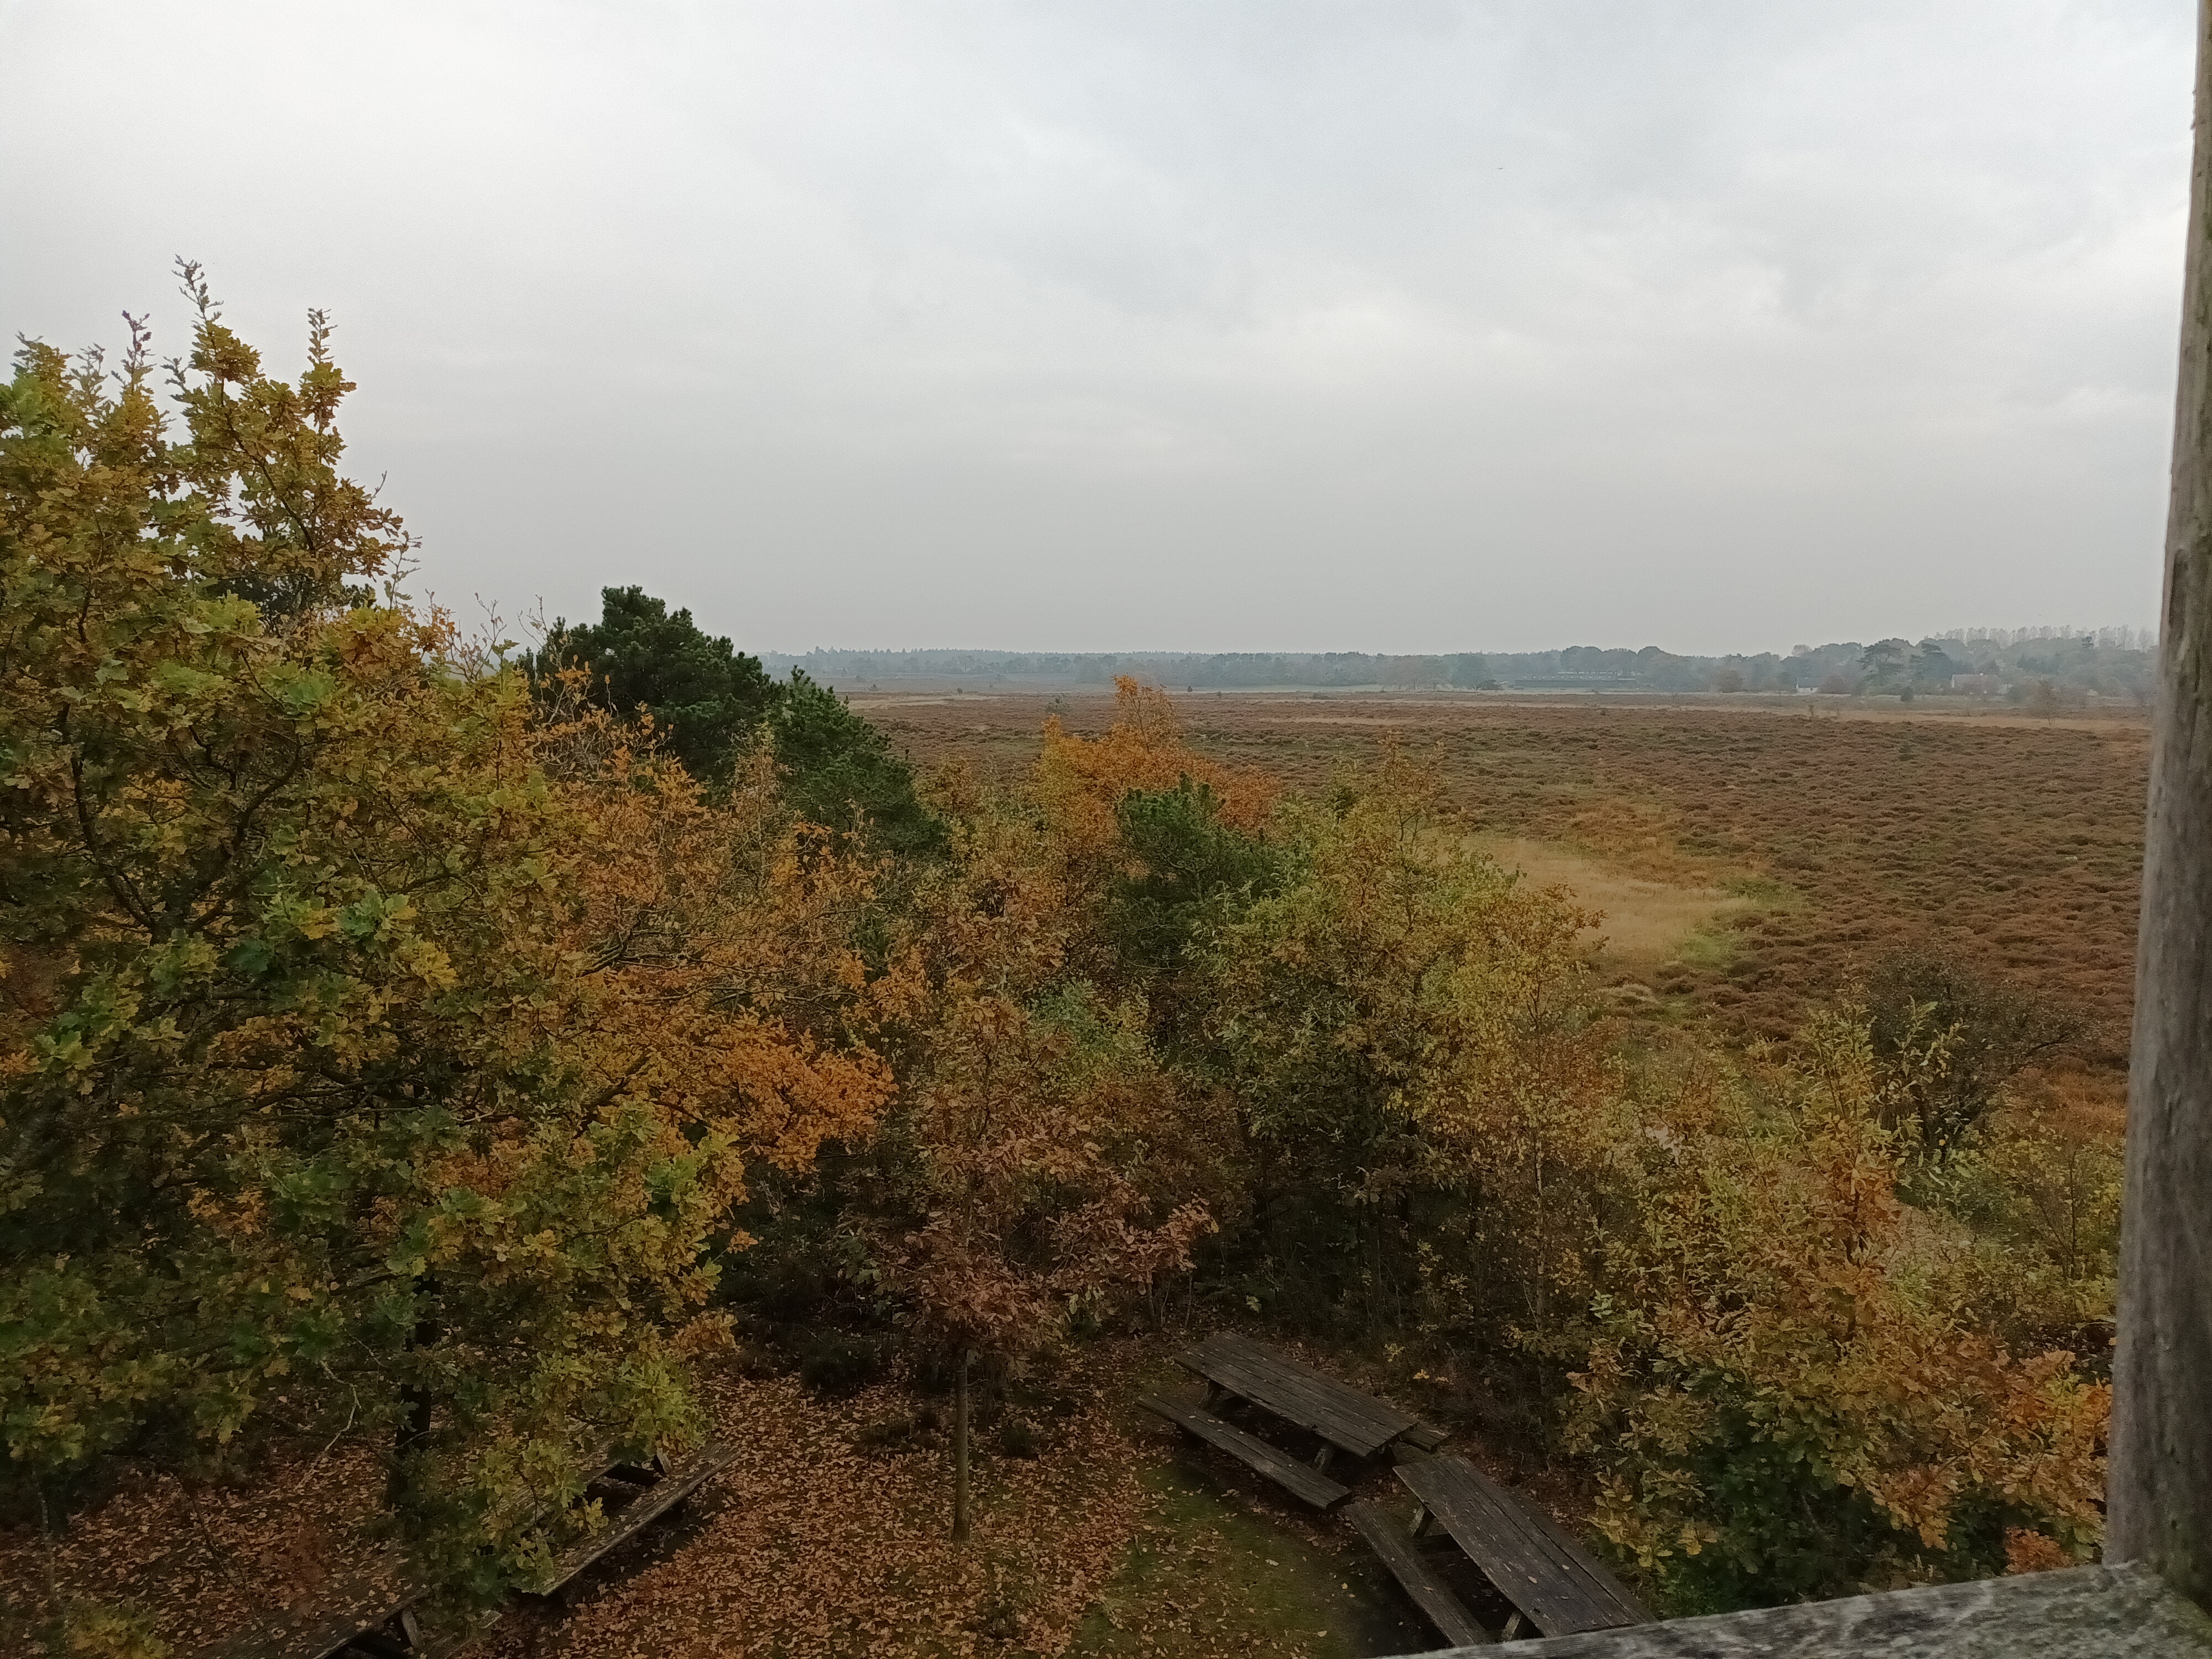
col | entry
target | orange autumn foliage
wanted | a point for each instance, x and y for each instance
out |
(1041, 1132)
(1080, 781)
(1058, 1156)
(723, 929)
(1084, 778)
(384, 1050)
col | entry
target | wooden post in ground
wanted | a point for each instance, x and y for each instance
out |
(2160, 1492)
(960, 1449)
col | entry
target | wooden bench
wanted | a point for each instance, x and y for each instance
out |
(1302, 1479)
(1430, 1594)
(1345, 1418)
(661, 1491)
(1551, 1580)
(1422, 1437)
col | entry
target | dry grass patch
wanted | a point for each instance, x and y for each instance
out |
(1644, 921)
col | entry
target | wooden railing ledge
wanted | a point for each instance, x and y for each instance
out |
(2123, 1612)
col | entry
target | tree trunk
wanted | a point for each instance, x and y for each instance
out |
(413, 1430)
(2159, 1493)
(960, 1449)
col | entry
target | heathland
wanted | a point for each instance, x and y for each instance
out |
(1751, 854)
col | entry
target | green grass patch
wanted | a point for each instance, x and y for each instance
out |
(1764, 893)
(1211, 1573)
(1710, 948)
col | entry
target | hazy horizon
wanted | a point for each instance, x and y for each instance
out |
(1410, 328)
(2053, 630)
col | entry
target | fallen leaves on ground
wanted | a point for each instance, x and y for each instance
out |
(1116, 1539)
(812, 1545)
(203, 1559)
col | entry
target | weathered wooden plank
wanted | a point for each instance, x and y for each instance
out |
(1532, 1561)
(355, 1620)
(1253, 1363)
(1619, 1601)
(1496, 1544)
(2077, 1613)
(2159, 1488)
(1353, 1421)
(1541, 1586)
(321, 1634)
(1429, 1593)
(366, 1601)
(1422, 1437)
(1302, 1480)
(634, 1517)
(1327, 1398)
(1347, 1406)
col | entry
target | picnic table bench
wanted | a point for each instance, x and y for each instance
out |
(1341, 1416)
(1300, 1479)
(1419, 1580)
(657, 1489)
(1551, 1582)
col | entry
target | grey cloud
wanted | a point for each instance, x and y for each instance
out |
(1292, 325)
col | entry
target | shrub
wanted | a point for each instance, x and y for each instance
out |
(837, 1365)
(1792, 1392)
(1946, 1040)
(1404, 1026)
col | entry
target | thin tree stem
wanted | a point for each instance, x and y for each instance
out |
(960, 1449)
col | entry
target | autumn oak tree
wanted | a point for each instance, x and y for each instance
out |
(374, 1058)
(1793, 1385)
(1058, 1165)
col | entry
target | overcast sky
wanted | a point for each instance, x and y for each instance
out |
(1375, 326)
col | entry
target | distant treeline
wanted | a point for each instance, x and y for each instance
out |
(2108, 662)
(1221, 669)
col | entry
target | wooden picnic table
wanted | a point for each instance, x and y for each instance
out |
(374, 1612)
(650, 1491)
(1550, 1579)
(1417, 1575)
(1345, 1418)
